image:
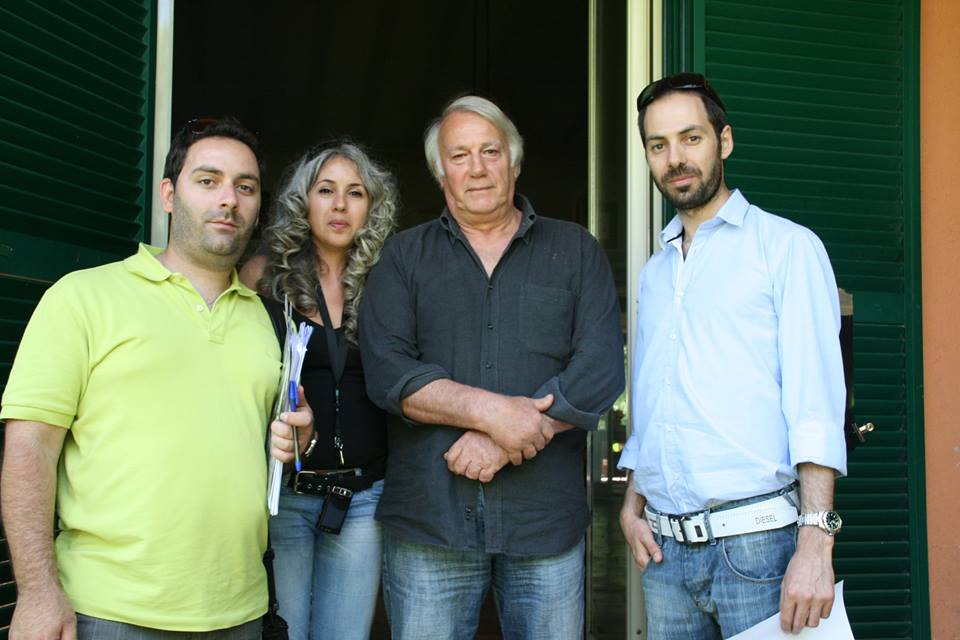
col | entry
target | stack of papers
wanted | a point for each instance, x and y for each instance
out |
(294, 352)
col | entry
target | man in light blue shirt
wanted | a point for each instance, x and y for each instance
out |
(737, 394)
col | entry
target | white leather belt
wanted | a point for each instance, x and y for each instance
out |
(774, 513)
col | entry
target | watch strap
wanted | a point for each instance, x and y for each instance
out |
(827, 521)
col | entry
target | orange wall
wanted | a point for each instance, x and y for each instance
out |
(940, 223)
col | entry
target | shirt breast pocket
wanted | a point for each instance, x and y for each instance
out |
(546, 320)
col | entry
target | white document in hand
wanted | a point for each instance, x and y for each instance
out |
(275, 475)
(836, 627)
(273, 486)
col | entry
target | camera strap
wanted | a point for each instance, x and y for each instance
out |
(337, 348)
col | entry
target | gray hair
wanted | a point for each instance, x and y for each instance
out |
(291, 267)
(486, 110)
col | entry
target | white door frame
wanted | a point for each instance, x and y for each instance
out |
(644, 214)
(162, 113)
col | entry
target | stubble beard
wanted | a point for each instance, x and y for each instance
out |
(205, 246)
(692, 198)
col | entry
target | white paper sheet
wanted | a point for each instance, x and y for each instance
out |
(273, 486)
(294, 352)
(836, 627)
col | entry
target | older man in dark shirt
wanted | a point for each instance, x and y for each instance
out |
(493, 336)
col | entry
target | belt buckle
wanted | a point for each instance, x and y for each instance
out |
(676, 526)
(699, 521)
(699, 524)
(311, 483)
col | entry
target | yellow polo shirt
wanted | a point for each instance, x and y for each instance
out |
(161, 489)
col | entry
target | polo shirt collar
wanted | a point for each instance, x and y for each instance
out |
(144, 263)
(732, 212)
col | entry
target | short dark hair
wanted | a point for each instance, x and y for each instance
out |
(200, 128)
(715, 113)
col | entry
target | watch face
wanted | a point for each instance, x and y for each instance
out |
(832, 521)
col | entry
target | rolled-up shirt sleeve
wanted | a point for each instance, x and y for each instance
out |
(813, 398)
(630, 453)
(387, 336)
(593, 377)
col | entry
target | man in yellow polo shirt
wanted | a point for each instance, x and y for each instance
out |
(139, 399)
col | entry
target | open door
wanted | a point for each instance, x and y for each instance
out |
(379, 72)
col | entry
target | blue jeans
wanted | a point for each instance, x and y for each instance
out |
(712, 591)
(327, 584)
(90, 628)
(435, 593)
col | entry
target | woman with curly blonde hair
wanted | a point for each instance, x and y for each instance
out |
(334, 211)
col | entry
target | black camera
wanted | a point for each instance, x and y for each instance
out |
(334, 511)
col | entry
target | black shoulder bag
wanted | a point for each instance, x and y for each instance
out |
(274, 627)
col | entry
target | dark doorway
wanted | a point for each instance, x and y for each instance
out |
(379, 72)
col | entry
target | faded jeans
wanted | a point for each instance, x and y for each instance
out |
(435, 593)
(716, 591)
(327, 584)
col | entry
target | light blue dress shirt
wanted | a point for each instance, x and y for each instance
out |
(737, 375)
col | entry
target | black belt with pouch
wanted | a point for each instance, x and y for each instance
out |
(319, 482)
(336, 487)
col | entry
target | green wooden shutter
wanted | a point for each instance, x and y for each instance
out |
(822, 99)
(76, 90)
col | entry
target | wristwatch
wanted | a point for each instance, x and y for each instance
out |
(829, 521)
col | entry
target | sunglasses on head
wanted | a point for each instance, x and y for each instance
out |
(199, 125)
(678, 82)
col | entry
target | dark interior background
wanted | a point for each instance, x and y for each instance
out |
(380, 71)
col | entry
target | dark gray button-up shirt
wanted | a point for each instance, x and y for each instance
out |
(546, 321)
